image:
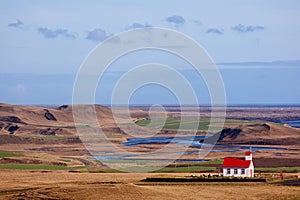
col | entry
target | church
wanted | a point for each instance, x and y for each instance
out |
(239, 167)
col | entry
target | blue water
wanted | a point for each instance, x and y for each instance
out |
(216, 148)
(127, 158)
(192, 141)
(253, 148)
(292, 123)
(163, 140)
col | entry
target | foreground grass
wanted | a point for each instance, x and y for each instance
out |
(5, 154)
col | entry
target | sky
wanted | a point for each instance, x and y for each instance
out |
(255, 45)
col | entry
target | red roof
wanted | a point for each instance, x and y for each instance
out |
(236, 162)
(248, 153)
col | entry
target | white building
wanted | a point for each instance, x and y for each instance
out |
(239, 167)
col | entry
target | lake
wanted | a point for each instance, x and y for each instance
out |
(192, 141)
(292, 123)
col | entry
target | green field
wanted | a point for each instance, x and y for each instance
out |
(199, 169)
(218, 162)
(33, 167)
(144, 166)
(278, 169)
(187, 169)
(186, 123)
(176, 123)
(98, 171)
(77, 126)
(5, 154)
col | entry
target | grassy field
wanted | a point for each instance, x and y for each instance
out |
(218, 162)
(186, 123)
(65, 185)
(174, 123)
(193, 168)
(179, 169)
(278, 169)
(77, 126)
(51, 137)
(33, 167)
(187, 169)
(144, 166)
(5, 154)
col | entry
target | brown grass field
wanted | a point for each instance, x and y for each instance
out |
(65, 185)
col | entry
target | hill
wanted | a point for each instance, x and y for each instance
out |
(18, 120)
(30, 121)
(259, 133)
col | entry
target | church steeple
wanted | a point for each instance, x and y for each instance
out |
(248, 155)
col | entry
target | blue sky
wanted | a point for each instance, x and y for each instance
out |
(255, 44)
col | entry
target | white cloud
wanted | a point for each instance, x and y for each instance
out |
(97, 35)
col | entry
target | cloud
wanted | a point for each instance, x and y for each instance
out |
(17, 24)
(97, 35)
(50, 34)
(46, 32)
(245, 29)
(215, 31)
(198, 22)
(137, 25)
(176, 20)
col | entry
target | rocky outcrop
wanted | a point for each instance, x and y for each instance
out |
(49, 131)
(48, 115)
(11, 119)
(12, 128)
(63, 107)
(1, 125)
